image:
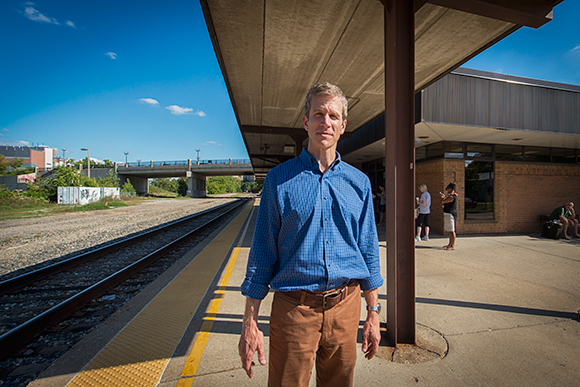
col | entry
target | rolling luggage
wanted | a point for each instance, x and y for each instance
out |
(552, 230)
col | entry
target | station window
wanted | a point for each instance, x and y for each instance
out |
(435, 151)
(537, 154)
(561, 155)
(420, 153)
(479, 150)
(509, 152)
(479, 188)
(453, 150)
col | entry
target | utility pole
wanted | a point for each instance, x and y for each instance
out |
(88, 161)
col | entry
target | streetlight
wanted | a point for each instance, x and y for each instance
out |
(125, 153)
(88, 161)
(198, 150)
(63, 158)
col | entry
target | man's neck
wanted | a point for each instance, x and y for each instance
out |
(325, 157)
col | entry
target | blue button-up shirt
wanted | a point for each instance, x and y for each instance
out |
(314, 231)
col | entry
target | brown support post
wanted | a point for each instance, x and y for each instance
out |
(298, 139)
(400, 169)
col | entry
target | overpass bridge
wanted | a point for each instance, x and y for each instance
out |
(195, 171)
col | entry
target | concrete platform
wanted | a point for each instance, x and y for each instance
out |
(505, 308)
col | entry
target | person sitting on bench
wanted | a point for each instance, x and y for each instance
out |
(566, 215)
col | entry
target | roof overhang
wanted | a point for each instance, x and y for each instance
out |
(272, 51)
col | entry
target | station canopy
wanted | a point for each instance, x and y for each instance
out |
(272, 51)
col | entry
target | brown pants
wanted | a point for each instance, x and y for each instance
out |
(299, 332)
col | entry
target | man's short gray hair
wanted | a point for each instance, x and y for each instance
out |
(325, 88)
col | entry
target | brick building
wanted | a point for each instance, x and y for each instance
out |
(511, 144)
(34, 156)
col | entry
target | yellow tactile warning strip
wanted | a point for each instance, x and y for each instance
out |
(194, 358)
(138, 355)
(188, 373)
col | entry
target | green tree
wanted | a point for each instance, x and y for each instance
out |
(111, 180)
(128, 187)
(10, 166)
(182, 187)
(166, 184)
(223, 184)
(250, 186)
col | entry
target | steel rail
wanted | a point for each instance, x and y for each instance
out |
(20, 335)
(24, 279)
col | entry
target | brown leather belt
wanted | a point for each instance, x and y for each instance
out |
(327, 299)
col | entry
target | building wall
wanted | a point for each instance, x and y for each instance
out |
(496, 103)
(523, 192)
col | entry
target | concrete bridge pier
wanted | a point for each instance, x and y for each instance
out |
(196, 187)
(141, 184)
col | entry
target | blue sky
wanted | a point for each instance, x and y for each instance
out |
(141, 76)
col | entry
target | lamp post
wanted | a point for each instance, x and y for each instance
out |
(63, 158)
(88, 161)
(126, 153)
(198, 150)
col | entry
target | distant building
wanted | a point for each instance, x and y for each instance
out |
(40, 156)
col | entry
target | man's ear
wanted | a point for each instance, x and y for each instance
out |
(343, 127)
(305, 122)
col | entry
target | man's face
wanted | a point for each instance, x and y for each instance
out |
(324, 124)
(569, 206)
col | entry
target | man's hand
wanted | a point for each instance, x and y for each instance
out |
(371, 329)
(252, 339)
(371, 335)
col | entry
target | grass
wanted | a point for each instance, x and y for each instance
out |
(19, 208)
(160, 192)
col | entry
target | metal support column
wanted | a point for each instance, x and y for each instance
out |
(400, 169)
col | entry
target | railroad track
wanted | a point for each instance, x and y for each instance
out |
(36, 301)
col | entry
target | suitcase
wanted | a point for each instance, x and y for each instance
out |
(552, 230)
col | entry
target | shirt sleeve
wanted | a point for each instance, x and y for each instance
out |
(369, 244)
(264, 251)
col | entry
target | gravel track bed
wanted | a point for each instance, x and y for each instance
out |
(38, 354)
(27, 244)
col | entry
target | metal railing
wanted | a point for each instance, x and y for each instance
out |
(185, 162)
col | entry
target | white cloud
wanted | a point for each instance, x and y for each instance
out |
(178, 110)
(149, 101)
(70, 24)
(213, 143)
(6, 130)
(33, 14)
(200, 113)
(111, 55)
(14, 143)
(575, 49)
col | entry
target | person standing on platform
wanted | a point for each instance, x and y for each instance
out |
(315, 244)
(424, 203)
(382, 204)
(449, 200)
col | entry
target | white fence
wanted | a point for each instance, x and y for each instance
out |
(85, 195)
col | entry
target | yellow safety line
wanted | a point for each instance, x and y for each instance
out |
(139, 353)
(194, 357)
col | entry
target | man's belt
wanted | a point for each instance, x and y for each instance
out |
(327, 299)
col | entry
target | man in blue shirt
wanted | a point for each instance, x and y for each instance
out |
(315, 244)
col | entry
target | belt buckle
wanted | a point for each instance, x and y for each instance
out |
(329, 295)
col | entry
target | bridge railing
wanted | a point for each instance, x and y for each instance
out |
(185, 162)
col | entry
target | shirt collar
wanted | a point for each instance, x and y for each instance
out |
(311, 161)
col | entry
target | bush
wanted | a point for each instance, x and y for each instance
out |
(182, 187)
(223, 184)
(111, 180)
(128, 187)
